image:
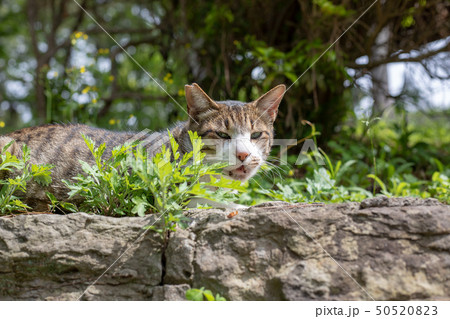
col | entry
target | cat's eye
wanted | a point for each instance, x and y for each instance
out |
(223, 135)
(256, 135)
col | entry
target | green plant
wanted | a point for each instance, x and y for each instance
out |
(56, 204)
(287, 193)
(131, 183)
(22, 173)
(202, 295)
(320, 188)
(440, 187)
(408, 185)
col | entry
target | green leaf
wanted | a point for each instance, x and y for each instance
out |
(5, 148)
(51, 197)
(194, 295)
(378, 181)
(69, 207)
(41, 174)
(140, 207)
(208, 295)
(220, 298)
(25, 153)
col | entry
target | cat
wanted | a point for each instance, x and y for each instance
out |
(233, 131)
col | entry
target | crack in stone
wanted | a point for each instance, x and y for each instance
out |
(164, 258)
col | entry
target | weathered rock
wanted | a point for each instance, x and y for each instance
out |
(384, 201)
(386, 249)
(180, 258)
(55, 257)
(169, 292)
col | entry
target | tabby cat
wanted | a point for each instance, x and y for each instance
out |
(241, 134)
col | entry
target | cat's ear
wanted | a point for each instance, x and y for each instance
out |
(269, 102)
(198, 101)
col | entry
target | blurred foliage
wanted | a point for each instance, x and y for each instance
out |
(61, 66)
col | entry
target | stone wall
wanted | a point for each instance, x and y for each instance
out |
(385, 249)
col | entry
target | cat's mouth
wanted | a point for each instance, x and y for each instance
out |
(241, 173)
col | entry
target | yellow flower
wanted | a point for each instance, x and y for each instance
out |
(86, 89)
(103, 51)
(94, 100)
(73, 41)
(131, 116)
(291, 173)
(171, 81)
(111, 78)
(78, 34)
(85, 36)
(82, 69)
(55, 74)
(2, 124)
(181, 92)
(167, 77)
(112, 121)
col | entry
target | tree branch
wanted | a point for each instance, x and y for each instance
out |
(396, 58)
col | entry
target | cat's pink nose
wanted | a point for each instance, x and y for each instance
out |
(242, 156)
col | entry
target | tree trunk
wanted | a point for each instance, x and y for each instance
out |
(32, 11)
(380, 81)
(39, 88)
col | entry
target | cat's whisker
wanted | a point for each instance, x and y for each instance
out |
(276, 168)
(254, 180)
(262, 172)
(271, 180)
(270, 175)
(279, 161)
(279, 165)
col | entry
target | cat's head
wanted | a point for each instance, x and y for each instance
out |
(238, 133)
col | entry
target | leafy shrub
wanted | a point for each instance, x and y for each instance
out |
(321, 188)
(406, 185)
(23, 172)
(131, 183)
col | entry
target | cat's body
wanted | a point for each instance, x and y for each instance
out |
(238, 131)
